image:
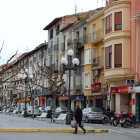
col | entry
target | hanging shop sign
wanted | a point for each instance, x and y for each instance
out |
(100, 97)
(130, 82)
(62, 97)
(96, 86)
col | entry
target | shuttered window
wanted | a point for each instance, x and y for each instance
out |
(118, 21)
(108, 57)
(87, 56)
(118, 55)
(108, 24)
(87, 80)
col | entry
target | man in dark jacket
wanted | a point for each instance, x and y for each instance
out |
(78, 118)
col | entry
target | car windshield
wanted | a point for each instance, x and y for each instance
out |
(96, 110)
(30, 107)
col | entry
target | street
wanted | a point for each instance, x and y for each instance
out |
(14, 122)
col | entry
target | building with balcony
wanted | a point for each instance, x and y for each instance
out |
(117, 53)
(135, 54)
(94, 86)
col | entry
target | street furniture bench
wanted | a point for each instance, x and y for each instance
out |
(61, 118)
(14, 112)
(43, 115)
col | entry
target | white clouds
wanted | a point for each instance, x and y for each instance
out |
(22, 21)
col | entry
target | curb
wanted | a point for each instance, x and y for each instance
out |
(52, 130)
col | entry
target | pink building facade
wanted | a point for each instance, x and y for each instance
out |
(135, 52)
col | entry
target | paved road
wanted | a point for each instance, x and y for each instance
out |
(115, 133)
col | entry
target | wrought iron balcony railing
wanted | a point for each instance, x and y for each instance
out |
(98, 35)
(98, 61)
(83, 40)
(69, 41)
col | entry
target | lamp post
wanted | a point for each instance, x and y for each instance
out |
(25, 77)
(69, 67)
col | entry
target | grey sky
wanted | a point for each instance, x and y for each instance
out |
(22, 21)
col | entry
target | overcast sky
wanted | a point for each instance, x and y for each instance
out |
(22, 21)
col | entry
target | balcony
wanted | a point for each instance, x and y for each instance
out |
(97, 36)
(98, 62)
(63, 46)
(69, 41)
(80, 42)
(56, 47)
(50, 50)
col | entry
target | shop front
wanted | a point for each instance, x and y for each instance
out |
(97, 100)
(121, 99)
(28, 101)
(63, 100)
(79, 99)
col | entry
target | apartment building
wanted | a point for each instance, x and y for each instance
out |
(135, 54)
(59, 39)
(94, 62)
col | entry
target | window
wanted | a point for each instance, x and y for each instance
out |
(108, 57)
(57, 43)
(118, 55)
(51, 34)
(77, 37)
(39, 56)
(108, 24)
(118, 21)
(31, 63)
(87, 80)
(34, 59)
(71, 82)
(87, 56)
(57, 29)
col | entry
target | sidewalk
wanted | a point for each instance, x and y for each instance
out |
(10, 123)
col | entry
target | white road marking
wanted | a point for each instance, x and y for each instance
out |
(129, 131)
(115, 131)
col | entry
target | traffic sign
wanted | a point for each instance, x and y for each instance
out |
(108, 95)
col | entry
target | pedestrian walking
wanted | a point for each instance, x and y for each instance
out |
(78, 118)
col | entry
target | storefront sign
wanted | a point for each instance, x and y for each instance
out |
(62, 97)
(27, 99)
(91, 98)
(100, 97)
(78, 98)
(113, 90)
(123, 89)
(96, 86)
(130, 82)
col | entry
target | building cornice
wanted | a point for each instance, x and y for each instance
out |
(95, 16)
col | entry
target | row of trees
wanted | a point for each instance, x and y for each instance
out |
(29, 83)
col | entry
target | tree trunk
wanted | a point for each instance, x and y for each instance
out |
(19, 104)
(32, 108)
(1, 106)
(54, 105)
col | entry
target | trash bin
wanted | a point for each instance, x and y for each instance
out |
(68, 119)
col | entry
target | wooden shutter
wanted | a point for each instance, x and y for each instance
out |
(118, 18)
(110, 23)
(107, 57)
(118, 55)
(106, 25)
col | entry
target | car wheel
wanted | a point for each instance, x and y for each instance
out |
(87, 121)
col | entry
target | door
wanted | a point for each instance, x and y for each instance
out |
(84, 114)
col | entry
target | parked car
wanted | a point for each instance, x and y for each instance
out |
(92, 114)
(41, 109)
(47, 108)
(29, 111)
(63, 110)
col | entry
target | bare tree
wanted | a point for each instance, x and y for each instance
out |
(55, 80)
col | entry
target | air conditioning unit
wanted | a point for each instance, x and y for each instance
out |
(63, 89)
(96, 72)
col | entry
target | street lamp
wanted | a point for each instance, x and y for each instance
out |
(25, 77)
(69, 67)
